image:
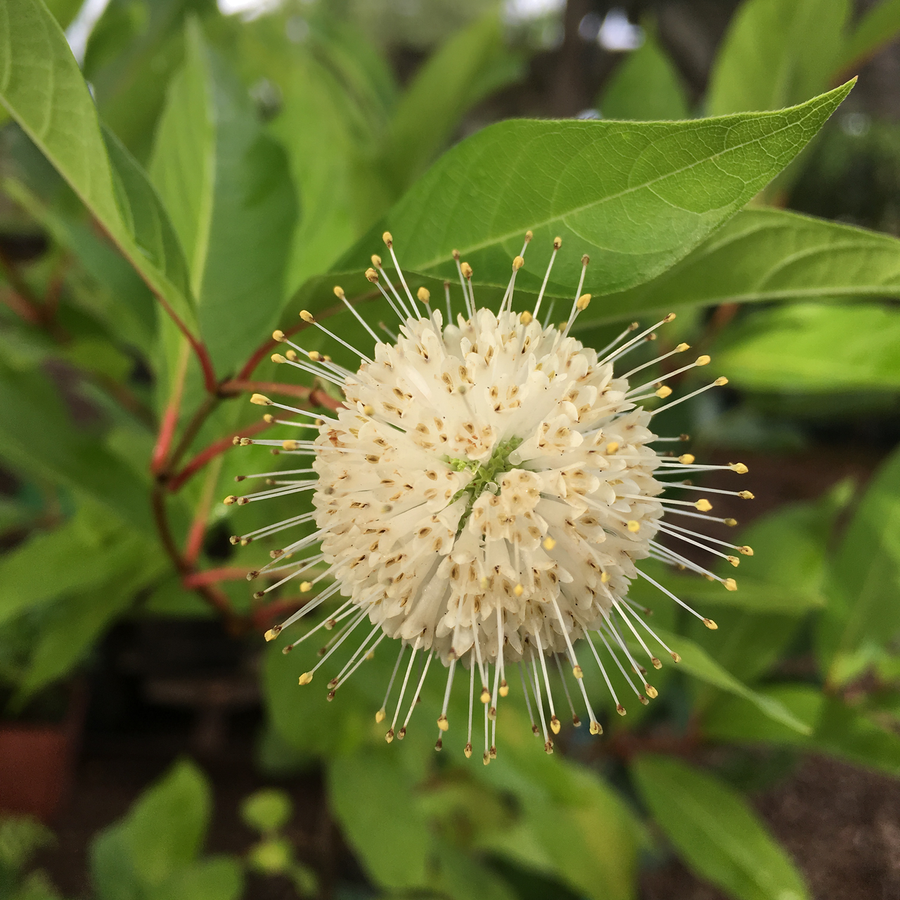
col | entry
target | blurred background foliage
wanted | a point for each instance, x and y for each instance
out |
(274, 138)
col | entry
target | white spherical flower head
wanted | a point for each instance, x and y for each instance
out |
(484, 494)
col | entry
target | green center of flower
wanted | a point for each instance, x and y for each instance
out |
(484, 474)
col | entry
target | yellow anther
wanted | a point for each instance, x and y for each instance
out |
(585, 259)
(269, 419)
(277, 358)
(663, 392)
(306, 678)
(278, 335)
(292, 356)
(528, 236)
(656, 663)
(442, 722)
(652, 692)
(682, 347)
(290, 445)
(504, 688)
(376, 260)
(388, 239)
(555, 725)
(686, 458)
(740, 468)
(670, 317)
(526, 318)
(577, 672)
(596, 728)
(260, 400)
(710, 624)
(379, 716)
(518, 590)
(720, 381)
(703, 505)
(339, 292)
(746, 495)
(423, 294)
(230, 500)
(733, 560)
(467, 751)
(702, 360)
(314, 355)
(371, 275)
(466, 270)
(368, 409)
(745, 550)
(389, 737)
(305, 586)
(583, 302)
(557, 243)
(604, 577)
(517, 263)
(486, 757)
(549, 543)
(729, 522)
(273, 633)
(677, 656)
(730, 584)
(634, 526)
(621, 709)
(611, 447)
(307, 316)
(485, 695)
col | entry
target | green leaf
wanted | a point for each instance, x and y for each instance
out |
(768, 255)
(462, 877)
(636, 196)
(374, 800)
(878, 27)
(865, 574)
(698, 663)
(267, 810)
(456, 78)
(836, 729)
(167, 825)
(775, 54)
(64, 11)
(43, 89)
(814, 348)
(716, 832)
(645, 86)
(216, 878)
(33, 411)
(229, 192)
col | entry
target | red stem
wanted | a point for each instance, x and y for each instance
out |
(166, 433)
(214, 576)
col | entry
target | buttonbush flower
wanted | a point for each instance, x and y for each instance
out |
(485, 494)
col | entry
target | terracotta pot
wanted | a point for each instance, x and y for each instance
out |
(37, 761)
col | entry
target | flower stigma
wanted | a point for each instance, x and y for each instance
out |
(484, 493)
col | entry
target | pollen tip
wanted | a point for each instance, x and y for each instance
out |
(442, 722)
(652, 692)
(669, 318)
(548, 747)
(745, 550)
(703, 505)
(682, 347)
(702, 360)
(339, 292)
(517, 263)
(388, 239)
(549, 543)
(401, 733)
(621, 709)
(371, 275)
(290, 445)
(307, 316)
(710, 624)
(273, 633)
(277, 358)
(733, 560)
(389, 736)
(746, 495)
(466, 270)
(643, 700)
(585, 259)
(260, 400)
(663, 392)
(555, 725)
(577, 671)
(634, 526)
(486, 757)
(423, 294)
(518, 590)
(730, 522)
(720, 381)
(230, 500)
(528, 236)
(526, 318)
(306, 678)
(557, 243)
(686, 458)
(455, 254)
(376, 260)
(583, 302)
(305, 586)
(438, 745)
(612, 447)
(740, 468)
(730, 584)
(504, 688)
(676, 656)
(467, 750)
(596, 727)
(368, 409)
(657, 663)
(379, 716)
(278, 335)
(492, 752)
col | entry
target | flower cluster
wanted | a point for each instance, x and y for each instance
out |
(484, 494)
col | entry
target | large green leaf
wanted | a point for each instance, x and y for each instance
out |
(374, 801)
(835, 728)
(39, 437)
(865, 574)
(777, 53)
(43, 89)
(227, 187)
(768, 255)
(636, 196)
(645, 86)
(814, 348)
(716, 832)
(457, 77)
